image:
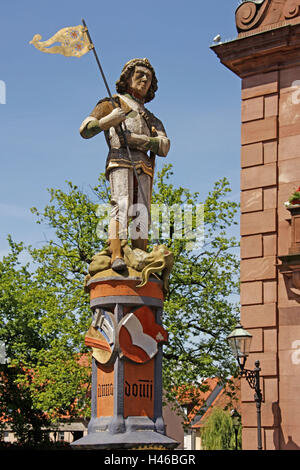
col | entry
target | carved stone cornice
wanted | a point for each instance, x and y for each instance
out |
(258, 15)
(264, 51)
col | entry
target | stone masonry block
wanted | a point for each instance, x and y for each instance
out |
(249, 413)
(290, 412)
(269, 292)
(251, 247)
(270, 340)
(249, 438)
(289, 170)
(252, 155)
(289, 388)
(249, 416)
(251, 293)
(269, 244)
(252, 200)
(288, 316)
(246, 392)
(256, 269)
(258, 316)
(287, 77)
(270, 151)
(270, 198)
(253, 109)
(289, 340)
(272, 438)
(290, 129)
(284, 236)
(271, 105)
(258, 222)
(260, 84)
(289, 112)
(289, 147)
(268, 362)
(270, 389)
(259, 176)
(257, 339)
(258, 131)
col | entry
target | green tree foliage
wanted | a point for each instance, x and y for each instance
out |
(218, 432)
(19, 320)
(45, 313)
(199, 311)
(17, 409)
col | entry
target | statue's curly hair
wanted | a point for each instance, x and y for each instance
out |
(128, 69)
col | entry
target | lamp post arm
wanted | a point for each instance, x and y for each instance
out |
(252, 377)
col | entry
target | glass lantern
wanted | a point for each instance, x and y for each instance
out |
(240, 341)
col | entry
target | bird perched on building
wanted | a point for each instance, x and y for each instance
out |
(217, 39)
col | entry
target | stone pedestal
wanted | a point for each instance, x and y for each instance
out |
(126, 336)
(265, 55)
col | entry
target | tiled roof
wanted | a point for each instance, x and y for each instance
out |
(219, 398)
(200, 400)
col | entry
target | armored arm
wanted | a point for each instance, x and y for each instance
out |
(162, 143)
(103, 116)
(159, 145)
(158, 142)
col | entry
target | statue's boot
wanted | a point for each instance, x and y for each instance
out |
(117, 262)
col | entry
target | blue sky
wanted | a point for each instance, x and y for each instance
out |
(47, 97)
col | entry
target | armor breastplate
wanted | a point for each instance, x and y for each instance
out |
(134, 122)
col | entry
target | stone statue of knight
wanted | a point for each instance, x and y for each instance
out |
(146, 138)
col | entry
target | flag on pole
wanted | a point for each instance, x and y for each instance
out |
(74, 42)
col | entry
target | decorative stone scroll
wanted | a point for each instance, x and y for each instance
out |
(250, 14)
(262, 14)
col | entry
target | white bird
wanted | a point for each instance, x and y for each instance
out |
(217, 39)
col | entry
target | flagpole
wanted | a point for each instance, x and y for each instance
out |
(114, 106)
(98, 62)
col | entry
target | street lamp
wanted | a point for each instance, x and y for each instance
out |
(239, 341)
(235, 416)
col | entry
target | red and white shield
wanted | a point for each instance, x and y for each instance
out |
(101, 337)
(139, 335)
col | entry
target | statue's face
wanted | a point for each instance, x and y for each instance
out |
(140, 80)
